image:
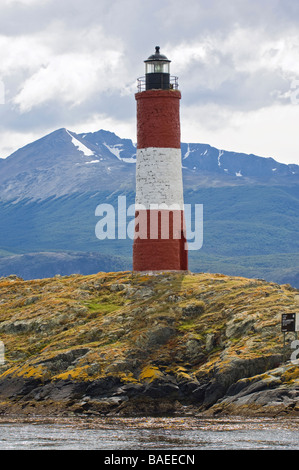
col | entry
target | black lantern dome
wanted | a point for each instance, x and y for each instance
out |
(157, 71)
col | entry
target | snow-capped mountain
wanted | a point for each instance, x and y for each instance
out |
(49, 191)
(64, 162)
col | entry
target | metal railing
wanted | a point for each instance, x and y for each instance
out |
(174, 83)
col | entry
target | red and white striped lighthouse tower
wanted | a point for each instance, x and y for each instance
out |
(159, 239)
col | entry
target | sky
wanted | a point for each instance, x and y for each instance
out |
(74, 64)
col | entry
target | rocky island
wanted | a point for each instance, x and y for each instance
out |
(132, 344)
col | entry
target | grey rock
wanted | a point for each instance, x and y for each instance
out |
(194, 309)
(210, 342)
(194, 349)
(62, 361)
(239, 326)
(31, 300)
(155, 337)
(117, 287)
(162, 387)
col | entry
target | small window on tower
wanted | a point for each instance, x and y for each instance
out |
(150, 68)
(166, 67)
(157, 67)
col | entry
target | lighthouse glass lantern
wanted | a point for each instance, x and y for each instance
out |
(157, 71)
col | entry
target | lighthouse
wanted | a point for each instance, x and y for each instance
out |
(159, 238)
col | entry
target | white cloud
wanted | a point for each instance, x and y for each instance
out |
(70, 78)
(87, 61)
(24, 53)
(12, 141)
(74, 64)
(267, 132)
(245, 69)
(123, 128)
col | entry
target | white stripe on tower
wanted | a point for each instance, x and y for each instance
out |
(159, 177)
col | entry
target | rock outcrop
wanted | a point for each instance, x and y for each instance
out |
(135, 344)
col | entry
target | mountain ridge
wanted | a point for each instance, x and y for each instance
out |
(64, 162)
(49, 191)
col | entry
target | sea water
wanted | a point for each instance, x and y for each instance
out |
(149, 433)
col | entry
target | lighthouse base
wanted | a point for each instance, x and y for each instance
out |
(160, 255)
(160, 243)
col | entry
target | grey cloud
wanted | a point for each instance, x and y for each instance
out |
(239, 90)
(134, 28)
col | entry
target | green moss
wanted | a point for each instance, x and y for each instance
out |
(187, 325)
(102, 307)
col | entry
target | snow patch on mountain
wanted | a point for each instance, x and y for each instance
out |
(188, 152)
(219, 156)
(116, 150)
(82, 148)
(130, 160)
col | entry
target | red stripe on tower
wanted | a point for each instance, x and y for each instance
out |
(159, 240)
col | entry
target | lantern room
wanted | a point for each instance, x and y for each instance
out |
(157, 71)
